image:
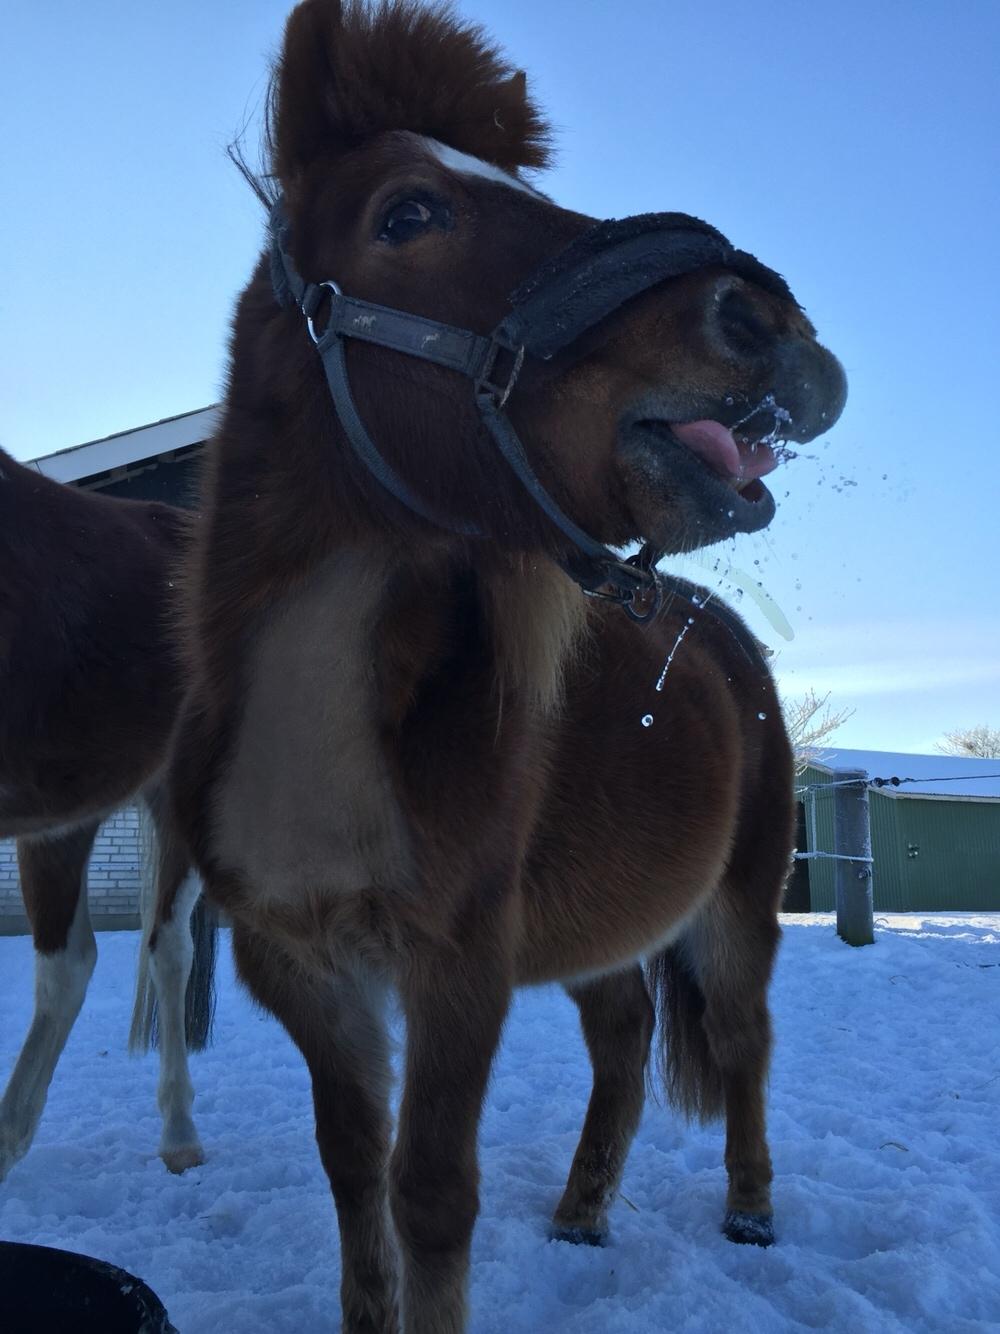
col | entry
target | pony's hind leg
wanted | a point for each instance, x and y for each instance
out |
(162, 1014)
(53, 882)
(171, 951)
(617, 1018)
(175, 1010)
(335, 1020)
(712, 988)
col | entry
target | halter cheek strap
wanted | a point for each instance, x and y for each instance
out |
(589, 280)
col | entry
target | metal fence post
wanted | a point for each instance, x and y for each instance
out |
(852, 843)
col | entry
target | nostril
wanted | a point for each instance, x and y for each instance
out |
(739, 323)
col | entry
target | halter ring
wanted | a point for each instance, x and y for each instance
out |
(337, 291)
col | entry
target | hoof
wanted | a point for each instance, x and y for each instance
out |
(579, 1236)
(179, 1160)
(749, 1229)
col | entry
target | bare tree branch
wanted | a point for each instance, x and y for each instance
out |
(980, 742)
(811, 722)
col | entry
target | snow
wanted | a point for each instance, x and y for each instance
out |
(884, 1110)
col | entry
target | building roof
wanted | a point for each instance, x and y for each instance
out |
(948, 775)
(126, 449)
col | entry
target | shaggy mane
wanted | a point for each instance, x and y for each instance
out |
(352, 69)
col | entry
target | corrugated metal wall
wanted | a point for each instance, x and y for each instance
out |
(930, 853)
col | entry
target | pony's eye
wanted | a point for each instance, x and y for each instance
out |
(411, 218)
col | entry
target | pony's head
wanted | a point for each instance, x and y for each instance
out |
(399, 141)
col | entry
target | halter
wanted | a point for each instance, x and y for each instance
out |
(590, 279)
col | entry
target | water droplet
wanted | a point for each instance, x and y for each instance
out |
(762, 716)
(647, 720)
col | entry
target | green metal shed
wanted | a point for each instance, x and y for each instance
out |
(935, 840)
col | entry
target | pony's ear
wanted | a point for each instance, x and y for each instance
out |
(305, 80)
(350, 70)
(518, 137)
(517, 85)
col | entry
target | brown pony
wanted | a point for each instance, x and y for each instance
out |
(415, 757)
(89, 690)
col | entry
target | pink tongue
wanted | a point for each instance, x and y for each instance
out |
(714, 443)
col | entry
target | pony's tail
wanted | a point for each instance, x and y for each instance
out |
(691, 1076)
(199, 998)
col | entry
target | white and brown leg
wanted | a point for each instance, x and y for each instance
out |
(336, 1021)
(171, 950)
(53, 872)
(455, 1007)
(617, 1019)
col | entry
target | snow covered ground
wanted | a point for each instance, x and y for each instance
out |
(885, 1131)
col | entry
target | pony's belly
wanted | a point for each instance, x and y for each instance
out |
(304, 808)
(578, 928)
(603, 945)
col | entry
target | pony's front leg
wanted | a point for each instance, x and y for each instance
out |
(335, 1020)
(455, 1008)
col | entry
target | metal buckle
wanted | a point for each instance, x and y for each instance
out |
(644, 603)
(335, 289)
(486, 385)
(646, 599)
(638, 590)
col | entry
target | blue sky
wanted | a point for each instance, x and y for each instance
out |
(852, 146)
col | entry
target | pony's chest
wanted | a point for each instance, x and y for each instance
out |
(304, 807)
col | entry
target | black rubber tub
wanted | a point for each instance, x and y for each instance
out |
(46, 1291)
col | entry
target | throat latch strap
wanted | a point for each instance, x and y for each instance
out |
(331, 348)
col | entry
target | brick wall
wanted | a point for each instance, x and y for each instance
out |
(112, 878)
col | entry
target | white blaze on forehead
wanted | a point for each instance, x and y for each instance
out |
(474, 166)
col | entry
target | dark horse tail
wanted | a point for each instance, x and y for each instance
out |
(199, 999)
(691, 1075)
